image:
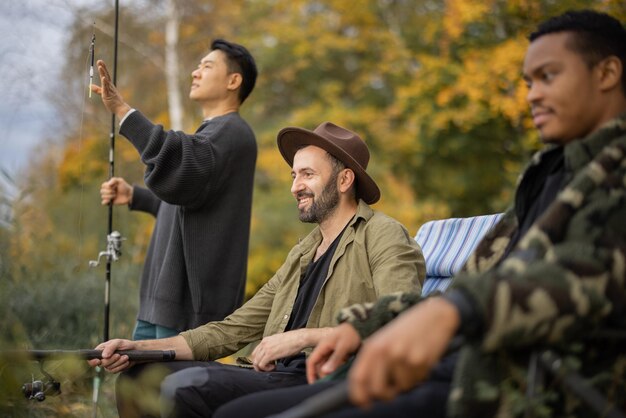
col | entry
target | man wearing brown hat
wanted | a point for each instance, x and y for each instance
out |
(354, 255)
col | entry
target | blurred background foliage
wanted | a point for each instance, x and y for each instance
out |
(433, 86)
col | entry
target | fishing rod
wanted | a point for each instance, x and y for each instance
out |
(48, 386)
(114, 238)
(138, 356)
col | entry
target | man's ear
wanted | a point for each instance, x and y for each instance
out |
(234, 81)
(610, 72)
(346, 180)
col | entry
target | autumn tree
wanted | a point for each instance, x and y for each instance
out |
(433, 87)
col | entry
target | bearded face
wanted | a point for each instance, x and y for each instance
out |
(323, 205)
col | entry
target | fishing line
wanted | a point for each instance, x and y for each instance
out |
(89, 63)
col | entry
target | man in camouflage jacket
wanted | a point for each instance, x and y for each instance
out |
(552, 271)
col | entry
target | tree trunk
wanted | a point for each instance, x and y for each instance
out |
(172, 72)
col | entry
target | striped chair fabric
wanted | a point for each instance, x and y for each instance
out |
(447, 243)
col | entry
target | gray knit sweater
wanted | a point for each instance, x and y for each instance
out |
(200, 190)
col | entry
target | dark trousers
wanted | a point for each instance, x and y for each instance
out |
(426, 400)
(191, 388)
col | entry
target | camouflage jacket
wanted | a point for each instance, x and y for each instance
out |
(565, 277)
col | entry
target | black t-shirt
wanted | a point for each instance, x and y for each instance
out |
(310, 286)
(540, 197)
(532, 202)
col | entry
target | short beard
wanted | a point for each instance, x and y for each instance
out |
(324, 206)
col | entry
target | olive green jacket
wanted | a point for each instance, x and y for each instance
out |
(375, 256)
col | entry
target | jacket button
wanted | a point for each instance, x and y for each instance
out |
(286, 316)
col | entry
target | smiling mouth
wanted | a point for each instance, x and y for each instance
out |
(303, 202)
(303, 199)
(540, 118)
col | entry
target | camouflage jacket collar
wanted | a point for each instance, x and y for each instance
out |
(580, 152)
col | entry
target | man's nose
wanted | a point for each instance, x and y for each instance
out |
(534, 93)
(296, 186)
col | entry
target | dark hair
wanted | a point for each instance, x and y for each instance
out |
(338, 165)
(596, 36)
(239, 60)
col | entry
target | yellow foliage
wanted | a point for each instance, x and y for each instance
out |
(461, 12)
(434, 88)
(271, 162)
(490, 76)
(82, 159)
(399, 201)
(125, 151)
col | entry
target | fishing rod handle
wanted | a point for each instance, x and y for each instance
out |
(136, 355)
(133, 355)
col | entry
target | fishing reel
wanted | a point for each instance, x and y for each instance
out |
(113, 251)
(39, 389)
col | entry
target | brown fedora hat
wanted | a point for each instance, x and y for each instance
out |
(342, 144)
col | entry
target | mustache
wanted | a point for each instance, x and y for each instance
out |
(300, 195)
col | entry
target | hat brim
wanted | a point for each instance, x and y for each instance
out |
(291, 139)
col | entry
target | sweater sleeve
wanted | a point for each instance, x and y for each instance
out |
(145, 201)
(189, 170)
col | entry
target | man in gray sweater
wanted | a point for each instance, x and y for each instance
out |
(199, 187)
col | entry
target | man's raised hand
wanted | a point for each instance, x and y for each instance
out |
(111, 98)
